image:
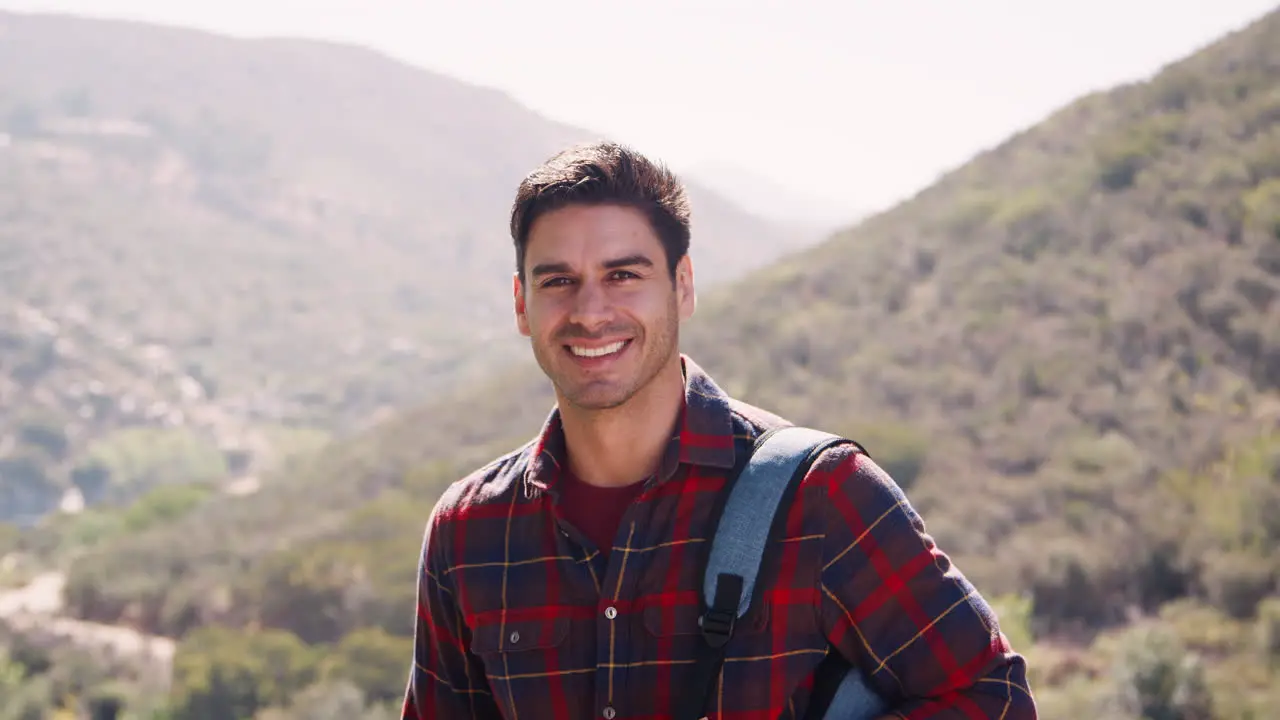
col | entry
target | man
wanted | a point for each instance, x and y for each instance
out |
(562, 580)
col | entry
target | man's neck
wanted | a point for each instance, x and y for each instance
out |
(624, 445)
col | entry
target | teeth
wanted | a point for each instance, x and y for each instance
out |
(597, 352)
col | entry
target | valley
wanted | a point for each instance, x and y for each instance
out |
(1067, 351)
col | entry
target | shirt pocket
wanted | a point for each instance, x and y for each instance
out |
(515, 655)
(517, 636)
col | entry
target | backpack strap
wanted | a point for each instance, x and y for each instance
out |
(763, 482)
(842, 692)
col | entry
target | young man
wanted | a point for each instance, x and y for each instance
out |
(563, 580)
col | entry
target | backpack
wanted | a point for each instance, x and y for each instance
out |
(762, 484)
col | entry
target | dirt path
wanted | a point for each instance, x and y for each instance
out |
(35, 611)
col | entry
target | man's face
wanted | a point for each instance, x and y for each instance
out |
(598, 303)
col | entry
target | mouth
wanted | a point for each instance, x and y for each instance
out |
(602, 352)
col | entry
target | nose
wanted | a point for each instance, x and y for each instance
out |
(591, 307)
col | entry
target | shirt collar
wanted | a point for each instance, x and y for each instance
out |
(705, 434)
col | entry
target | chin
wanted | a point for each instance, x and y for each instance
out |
(597, 399)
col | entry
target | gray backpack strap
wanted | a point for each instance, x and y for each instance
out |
(780, 460)
(751, 522)
(854, 698)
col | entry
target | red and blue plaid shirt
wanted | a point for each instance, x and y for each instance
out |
(519, 617)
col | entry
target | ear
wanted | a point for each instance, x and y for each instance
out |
(686, 298)
(522, 319)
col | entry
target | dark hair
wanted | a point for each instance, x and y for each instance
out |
(599, 173)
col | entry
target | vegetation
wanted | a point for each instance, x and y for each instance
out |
(188, 249)
(1068, 350)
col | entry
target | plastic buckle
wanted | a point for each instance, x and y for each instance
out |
(717, 626)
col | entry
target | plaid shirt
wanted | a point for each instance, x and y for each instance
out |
(519, 617)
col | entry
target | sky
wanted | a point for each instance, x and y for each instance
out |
(850, 104)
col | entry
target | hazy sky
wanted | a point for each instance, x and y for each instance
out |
(853, 102)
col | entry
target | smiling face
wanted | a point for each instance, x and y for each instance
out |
(599, 304)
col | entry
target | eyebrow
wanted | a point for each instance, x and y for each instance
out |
(560, 267)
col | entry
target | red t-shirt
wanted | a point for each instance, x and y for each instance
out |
(596, 511)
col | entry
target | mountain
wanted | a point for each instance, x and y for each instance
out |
(236, 248)
(1067, 351)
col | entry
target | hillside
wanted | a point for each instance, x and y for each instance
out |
(1067, 350)
(212, 243)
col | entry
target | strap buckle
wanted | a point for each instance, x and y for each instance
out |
(717, 626)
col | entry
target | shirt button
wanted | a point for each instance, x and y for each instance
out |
(611, 612)
(515, 637)
(609, 712)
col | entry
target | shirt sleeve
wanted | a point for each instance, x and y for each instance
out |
(446, 680)
(898, 609)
